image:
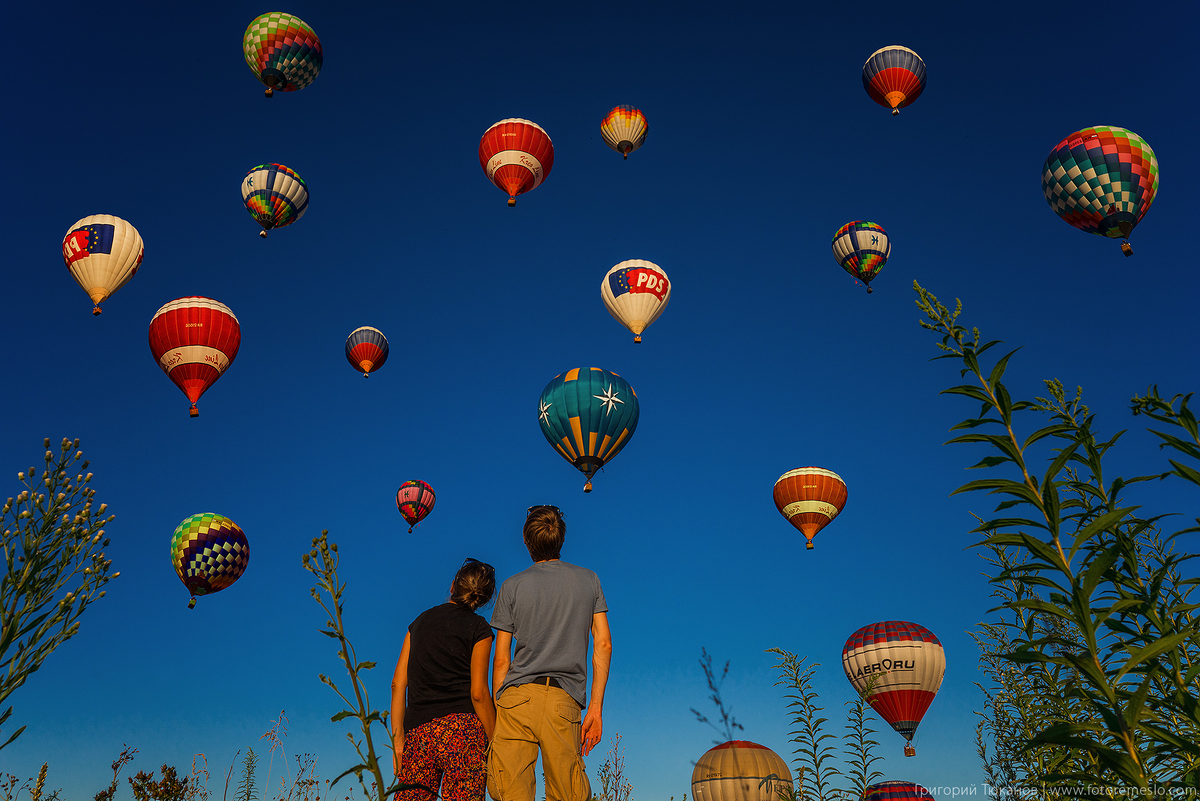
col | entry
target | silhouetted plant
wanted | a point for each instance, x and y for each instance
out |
(611, 774)
(728, 724)
(169, 788)
(120, 762)
(54, 566)
(1093, 602)
(248, 788)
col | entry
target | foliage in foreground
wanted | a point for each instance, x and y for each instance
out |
(53, 562)
(1094, 660)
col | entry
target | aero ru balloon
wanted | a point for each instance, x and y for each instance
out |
(516, 155)
(624, 129)
(740, 771)
(415, 501)
(194, 340)
(102, 253)
(282, 51)
(862, 248)
(897, 667)
(810, 498)
(209, 552)
(588, 415)
(1102, 180)
(894, 77)
(635, 292)
(896, 791)
(366, 349)
(274, 195)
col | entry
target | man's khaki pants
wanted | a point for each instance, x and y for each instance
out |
(529, 717)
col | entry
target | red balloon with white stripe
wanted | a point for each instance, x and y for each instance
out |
(194, 340)
(810, 498)
(516, 155)
(897, 667)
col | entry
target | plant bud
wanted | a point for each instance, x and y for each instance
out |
(87, 571)
(46, 444)
(103, 506)
(114, 575)
(106, 541)
(333, 547)
(305, 558)
(49, 455)
(21, 476)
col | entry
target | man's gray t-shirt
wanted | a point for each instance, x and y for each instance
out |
(548, 608)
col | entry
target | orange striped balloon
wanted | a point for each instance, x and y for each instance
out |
(810, 498)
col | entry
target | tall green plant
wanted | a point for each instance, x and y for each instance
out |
(1085, 598)
(54, 565)
(725, 715)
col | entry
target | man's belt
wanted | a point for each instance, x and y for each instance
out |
(548, 681)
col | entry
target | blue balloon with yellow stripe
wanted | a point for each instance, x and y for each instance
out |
(588, 415)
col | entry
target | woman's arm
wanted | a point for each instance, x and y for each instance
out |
(399, 687)
(481, 699)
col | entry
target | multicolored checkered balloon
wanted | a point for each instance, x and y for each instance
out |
(1102, 180)
(283, 51)
(414, 500)
(209, 552)
(275, 196)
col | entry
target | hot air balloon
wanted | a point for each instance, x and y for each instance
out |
(588, 416)
(862, 248)
(102, 253)
(624, 129)
(282, 51)
(896, 791)
(894, 77)
(810, 498)
(366, 349)
(897, 667)
(740, 771)
(415, 501)
(635, 292)
(274, 195)
(209, 552)
(516, 155)
(1102, 180)
(194, 340)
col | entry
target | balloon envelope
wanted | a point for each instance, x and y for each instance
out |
(516, 155)
(1101, 180)
(897, 791)
(894, 77)
(274, 195)
(635, 292)
(415, 501)
(810, 498)
(898, 667)
(282, 51)
(740, 771)
(861, 248)
(102, 253)
(366, 349)
(624, 129)
(588, 415)
(194, 340)
(209, 552)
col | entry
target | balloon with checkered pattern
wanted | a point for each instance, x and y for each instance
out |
(210, 552)
(282, 51)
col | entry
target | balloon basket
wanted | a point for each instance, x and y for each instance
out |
(869, 290)
(808, 546)
(192, 603)
(909, 750)
(96, 310)
(270, 92)
(366, 375)
(588, 486)
(512, 201)
(193, 412)
(410, 529)
(637, 338)
(895, 112)
(263, 234)
(1126, 248)
(625, 156)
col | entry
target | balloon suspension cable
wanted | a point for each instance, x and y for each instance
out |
(1126, 248)
(588, 486)
(96, 310)
(909, 750)
(193, 412)
(263, 233)
(512, 200)
(192, 603)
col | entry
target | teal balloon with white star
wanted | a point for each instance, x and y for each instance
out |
(588, 415)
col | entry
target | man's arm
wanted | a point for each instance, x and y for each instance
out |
(593, 725)
(501, 661)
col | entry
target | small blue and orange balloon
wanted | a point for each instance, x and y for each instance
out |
(588, 415)
(894, 77)
(366, 349)
(209, 552)
(414, 500)
(861, 248)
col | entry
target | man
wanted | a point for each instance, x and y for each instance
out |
(549, 609)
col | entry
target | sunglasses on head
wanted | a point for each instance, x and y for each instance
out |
(470, 560)
(557, 511)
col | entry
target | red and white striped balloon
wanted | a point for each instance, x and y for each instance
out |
(516, 155)
(897, 667)
(194, 340)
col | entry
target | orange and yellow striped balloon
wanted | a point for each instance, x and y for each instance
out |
(810, 498)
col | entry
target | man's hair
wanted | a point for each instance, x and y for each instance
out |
(544, 533)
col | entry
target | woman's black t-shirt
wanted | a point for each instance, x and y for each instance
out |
(439, 662)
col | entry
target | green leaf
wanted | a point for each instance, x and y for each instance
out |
(1150, 651)
(990, 461)
(998, 370)
(969, 390)
(340, 716)
(1096, 570)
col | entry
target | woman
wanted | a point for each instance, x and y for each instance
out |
(442, 712)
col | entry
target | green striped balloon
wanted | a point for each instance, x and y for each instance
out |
(588, 415)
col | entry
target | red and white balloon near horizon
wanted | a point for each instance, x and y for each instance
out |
(194, 340)
(516, 155)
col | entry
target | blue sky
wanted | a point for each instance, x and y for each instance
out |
(762, 143)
